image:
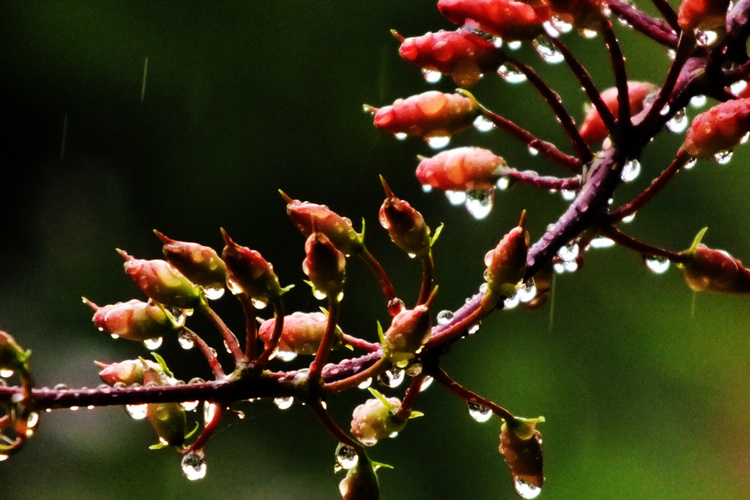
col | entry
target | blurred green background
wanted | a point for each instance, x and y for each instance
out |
(643, 398)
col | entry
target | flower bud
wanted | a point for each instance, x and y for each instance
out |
(128, 372)
(325, 265)
(582, 14)
(249, 273)
(374, 419)
(461, 169)
(12, 355)
(408, 332)
(133, 320)
(338, 229)
(703, 14)
(405, 226)
(506, 265)
(508, 19)
(162, 282)
(521, 447)
(167, 419)
(714, 270)
(593, 129)
(361, 481)
(719, 129)
(430, 114)
(300, 334)
(198, 263)
(462, 55)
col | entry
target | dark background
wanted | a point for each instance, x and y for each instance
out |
(642, 397)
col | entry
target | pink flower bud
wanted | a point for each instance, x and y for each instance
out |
(508, 19)
(461, 169)
(361, 481)
(702, 14)
(408, 332)
(462, 55)
(521, 447)
(582, 14)
(431, 114)
(338, 229)
(715, 271)
(374, 420)
(593, 129)
(12, 355)
(506, 264)
(719, 129)
(133, 320)
(198, 263)
(249, 273)
(161, 282)
(405, 226)
(325, 265)
(128, 372)
(301, 333)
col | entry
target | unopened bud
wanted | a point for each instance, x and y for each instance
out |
(133, 320)
(249, 273)
(714, 270)
(506, 265)
(593, 129)
(521, 447)
(461, 169)
(581, 14)
(198, 263)
(128, 372)
(703, 14)
(719, 129)
(161, 282)
(405, 226)
(325, 265)
(508, 19)
(300, 334)
(361, 481)
(167, 419)
(375, 419)
(12, 355)
(408, 332)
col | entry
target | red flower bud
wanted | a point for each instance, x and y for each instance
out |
(521, 446)
(713, 270)
(300, 334)
(133, 320)
(128, 372)
(249, 273)
(12, 355)
(405, 226)
(325, 265)
(374, 419)
(506, 264)
(583, 14)
(508, 19)
(593, 129)
(338, 229)
(198, 263)
(162, 282)
(431, 114)
(721, 128)
(461, 169)
(167, 419)
(408, 332)
(361, 481)
(462, 55)
(702, 14)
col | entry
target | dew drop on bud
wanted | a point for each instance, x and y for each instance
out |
(698, 101)
(533, 151)
(136, 412)
(4, 457)
(657, 265)
(568, 194)
(283, 403)
(431, 76)
(568, 253)
(414, 369)
(395, 306)
(400, 136)
(510, 74)
(589, 34)
(365, 384)
(258, 304)
(478, 412)
(426, 188)
(439, 142)
(630, 171)
(514, 45)
(502, 183)
(185, 339)
(189, 405)
(706, 38)
(479, 203)
(213, 292)
(427, 382)
(346, 457)
(152, 344)
(690, 164)
(475, 328)
(723, 157)
(736, 88)
(456, 198)
(601, 242)
(511, 302)
(391, 378)
(482, 124)
(524, 489)
(285, 356)
(194, 465)
(678, 123)
(546, 50)
(526, 291)
(5, 373)
(444, 317)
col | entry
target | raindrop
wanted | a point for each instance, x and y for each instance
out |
(114, 335)
(514, 45)
(456, 197)
(706, 38)
(533, 151)
(568, 194)
(234, 287)
(502, 183)
(478, 412)
(744, 138)
(690, 164)
(602, 242)
(6, 373)
(285, 356)
(736, 88)
(346, 457)
(189, 405)
(365, 384)
(627, 219)
(431, 76)
(258, 304)
(657, 265)
(426, 188)
(400, 136)
(283, 403)
(438, 141)
(185, 339)
(209, 411)
(136, 412)
(546, 50)
(474, 329)
(483, 124)
(497, 42)
(427, 382)
(213, 292)
(679, 122)
(414, 369)
(524, 489)
(568, 253)
(723, 157)
(32, 420)
(630, 171)
(511, 302)
(560, 26)
(391, 378)
(479, 203)
(194, 465)
(152, 344)
(589, 34)
(698, 101)
(510, 74)
(395, 306)
(4, 457)
(526, 291)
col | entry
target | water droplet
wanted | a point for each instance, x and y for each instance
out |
(524, 489)
(602, 242)
(483, 124)
(414, 369)
(439, 141)
(234, 287)
(365, 384)
(114, 335)
(427, 382)
(346, 457)
(627, 219)
(546, 50)
(568, 253)
(698, 101)
(630, 171)
(497, 41)
(152, 344)
(209, 411)
(400, 136)
(588, 34)
(258, 304)
(706, 38)
(514, 45)
(690, 164)
(136, 412)
(426, 188)
(456, 197)
(4, 457)
(283, 403)
(679, 122)
(526, 291)
(657, 265)
(444, 317)
(478, 412)
(744, 138)
(475, 328)
(510, 74)
(723, 157)
(431, 76)
(502, 183)
(285, 356)
(568, 194)
(560, 25)
(6, 373)
(736, 88)
(479, 203)
(194, 465)
(391, 378)
(185, 339)
(511, 302)
(395, 306)
(189, 405)
(213, 292)
(32, 420)
(533, 151)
